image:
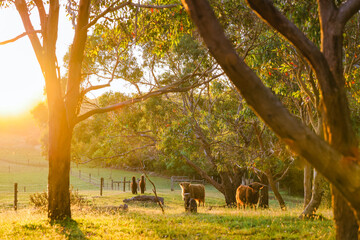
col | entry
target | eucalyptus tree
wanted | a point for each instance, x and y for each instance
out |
(64, 99)
(336, 157)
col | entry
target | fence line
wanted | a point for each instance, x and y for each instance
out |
(16, 194)
(108, 184)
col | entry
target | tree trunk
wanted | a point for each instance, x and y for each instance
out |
(339, 166)
(276, 191)
(62, 118)
(346, 225)
(264, 193)
(338, 128)
(307, 184)
(59, 165)
(229, 189)
(317, 193)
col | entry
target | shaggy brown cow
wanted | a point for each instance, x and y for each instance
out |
(197, 191)
(248, 195)
(133, 185)
(142, 184)
(190, 203)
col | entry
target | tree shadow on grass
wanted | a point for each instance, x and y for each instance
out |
(69, 228)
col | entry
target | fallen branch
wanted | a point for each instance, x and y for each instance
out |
(159, 200)
(111, 209)
(145, 198)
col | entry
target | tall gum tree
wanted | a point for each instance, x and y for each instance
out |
(64, 108)
(337, 157)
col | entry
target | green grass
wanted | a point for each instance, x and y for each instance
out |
(145, 221)
(142, 220)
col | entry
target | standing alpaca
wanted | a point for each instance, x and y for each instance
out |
(142, 184)
(133, 185)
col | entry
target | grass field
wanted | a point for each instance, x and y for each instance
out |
(23, 164)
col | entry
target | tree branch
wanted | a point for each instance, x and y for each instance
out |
(18, 37)
(347, 10)
(154, 6)
(42, 13)
(343, 172)
(111, 8)
(266, 10)
(122, 154)
(96, 87)
(22, 9)
(129, 102)
(203, 174)
(284, 172)
(73, 94)
(85, 91)
(167, 89)
(154, 190)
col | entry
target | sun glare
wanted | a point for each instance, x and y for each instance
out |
(21, 80)
(16, 100)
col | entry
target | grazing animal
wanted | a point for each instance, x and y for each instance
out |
(190, 203)
(197, 191)
(248, 195)
(142, 184)
(133, 185)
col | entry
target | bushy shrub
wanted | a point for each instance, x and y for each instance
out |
(40, 200)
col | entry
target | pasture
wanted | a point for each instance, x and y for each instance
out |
(23, 164)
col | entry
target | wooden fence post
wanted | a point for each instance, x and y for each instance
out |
(90, 177)
(15, 196)
(124, 183)
(112, 184)
(172, 184)
(79, 173)
(101, 186)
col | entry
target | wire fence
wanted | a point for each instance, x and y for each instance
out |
(15, 192)
(106, 184)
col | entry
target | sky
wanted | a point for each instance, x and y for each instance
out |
(22, 83)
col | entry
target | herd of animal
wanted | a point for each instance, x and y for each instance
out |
(246, 195)
(136, 184)
(194, 194)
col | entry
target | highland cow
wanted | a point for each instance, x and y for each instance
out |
(197, 191)
(142, 184)
(133, 185)
(248, 195)
(190, 203)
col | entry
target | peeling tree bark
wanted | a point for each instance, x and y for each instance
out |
(317, 193)
(275, 190)
(307, 184)
(264, 192)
